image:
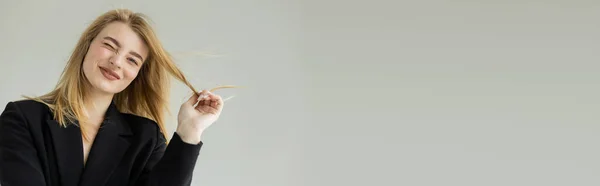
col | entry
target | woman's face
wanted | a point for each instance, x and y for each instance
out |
(114, 58)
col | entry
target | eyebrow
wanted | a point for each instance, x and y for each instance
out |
(119, 45)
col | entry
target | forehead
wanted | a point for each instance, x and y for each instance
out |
(127, 38)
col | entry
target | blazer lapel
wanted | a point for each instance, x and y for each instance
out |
(68, 151)
(110, 144)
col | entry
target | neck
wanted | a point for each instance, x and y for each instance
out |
(96, 105)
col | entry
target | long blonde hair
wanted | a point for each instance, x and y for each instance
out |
(146, 96)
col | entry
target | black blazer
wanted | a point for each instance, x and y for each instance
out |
(127, 150)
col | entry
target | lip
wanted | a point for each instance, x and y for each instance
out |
(109, 74)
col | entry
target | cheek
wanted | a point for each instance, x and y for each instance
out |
(96, 54)
(130, 74)
(100, 52)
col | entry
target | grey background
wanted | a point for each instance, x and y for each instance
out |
(418, 93)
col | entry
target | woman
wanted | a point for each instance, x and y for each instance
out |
(103, 124)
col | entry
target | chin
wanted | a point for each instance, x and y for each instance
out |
(106, 89)
(106, 86)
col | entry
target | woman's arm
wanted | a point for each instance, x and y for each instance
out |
(19, 164)
(171, 165)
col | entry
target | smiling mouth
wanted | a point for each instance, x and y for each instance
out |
(108, 74)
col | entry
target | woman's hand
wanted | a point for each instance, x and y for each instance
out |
(197, 114)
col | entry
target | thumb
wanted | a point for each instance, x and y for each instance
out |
(192, 100)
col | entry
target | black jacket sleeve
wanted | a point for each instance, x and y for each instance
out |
(19, 164)
(170, 165)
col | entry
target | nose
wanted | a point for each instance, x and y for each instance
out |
(115, 61)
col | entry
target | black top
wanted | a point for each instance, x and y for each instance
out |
(128, 150)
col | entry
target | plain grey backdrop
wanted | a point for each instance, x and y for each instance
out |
(419, 93)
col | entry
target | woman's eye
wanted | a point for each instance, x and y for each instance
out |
(132, 60)
(111, 47)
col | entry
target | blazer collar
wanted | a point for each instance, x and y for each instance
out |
(110, 144)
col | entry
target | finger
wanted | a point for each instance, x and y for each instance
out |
(204, 106)
(220, 102)
(209, 103)
(205, 102)
(201, 106)
(202, 102)
(215, 99)
(192, 100)
(203, 94)
(209, 109)
(206, 109)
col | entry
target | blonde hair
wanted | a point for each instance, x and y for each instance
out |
(146, 96)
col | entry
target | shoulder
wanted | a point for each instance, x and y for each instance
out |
(27, 104)
(27, 108)
(24, 114)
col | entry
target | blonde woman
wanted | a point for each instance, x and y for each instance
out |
(104, 124)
